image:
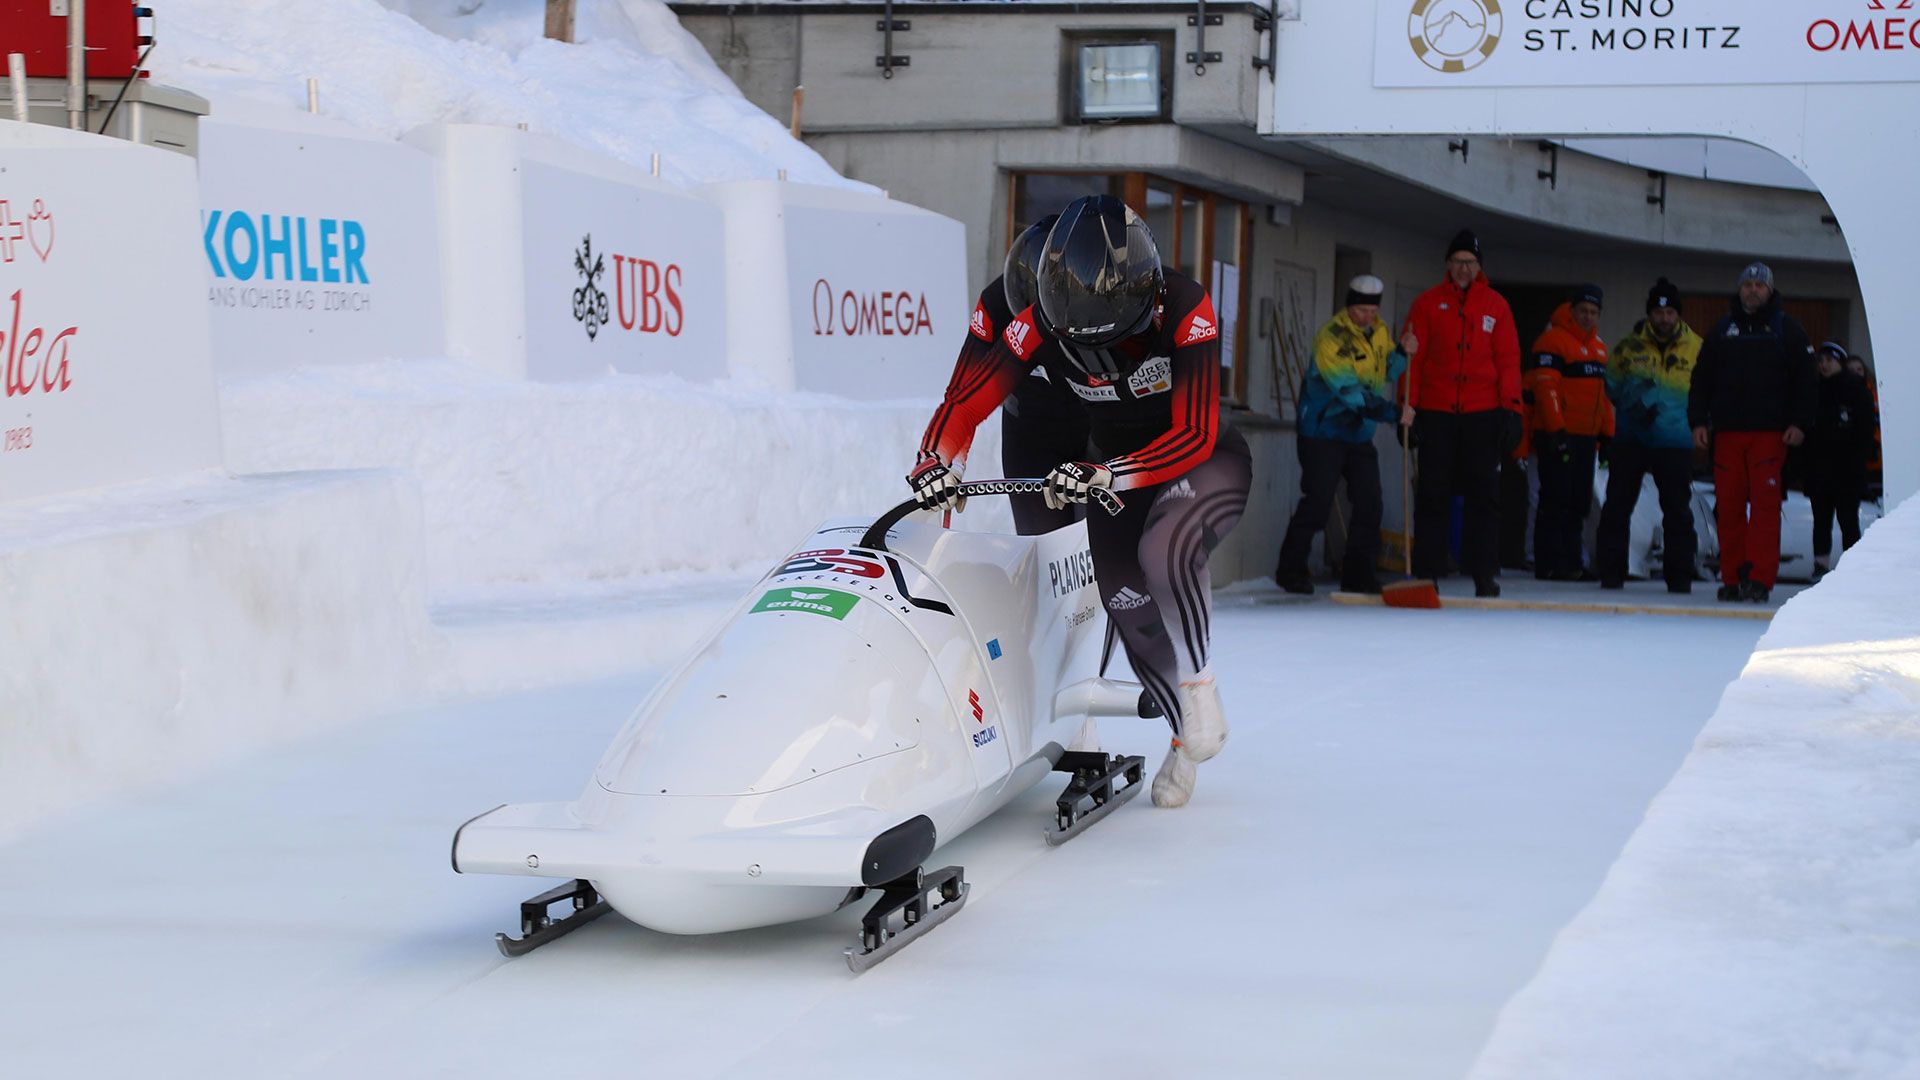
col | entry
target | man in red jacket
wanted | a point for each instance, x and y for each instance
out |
(1463, 409)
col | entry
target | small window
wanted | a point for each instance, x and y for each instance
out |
(1117, 80)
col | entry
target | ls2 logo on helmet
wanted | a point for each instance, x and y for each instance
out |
(1453, 36)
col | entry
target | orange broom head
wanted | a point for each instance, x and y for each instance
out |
(1418, 593)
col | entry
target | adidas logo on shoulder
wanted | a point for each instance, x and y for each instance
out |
(1126, 600)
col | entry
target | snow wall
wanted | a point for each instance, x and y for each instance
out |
(152, 628)
(1762, 920)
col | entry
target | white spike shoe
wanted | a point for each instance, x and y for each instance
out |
(1203, 720)
(1173, 784)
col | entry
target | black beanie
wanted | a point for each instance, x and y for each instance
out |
(1464, 240)
(1588, 294)
(1663, 294)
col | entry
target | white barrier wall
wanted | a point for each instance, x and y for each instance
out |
(560, 264)
(318, 241)
(841, 292)
(102, 327)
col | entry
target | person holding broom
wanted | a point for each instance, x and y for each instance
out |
(1347, 391)
(1462, 409)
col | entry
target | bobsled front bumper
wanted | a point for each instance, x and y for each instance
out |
(702, 863)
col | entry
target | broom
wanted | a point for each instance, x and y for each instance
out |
(1416, 592)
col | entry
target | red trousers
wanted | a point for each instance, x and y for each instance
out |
(1747, 494)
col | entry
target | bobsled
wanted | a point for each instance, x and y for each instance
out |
(885, 687)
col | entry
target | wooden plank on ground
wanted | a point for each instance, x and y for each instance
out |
(1590, 607)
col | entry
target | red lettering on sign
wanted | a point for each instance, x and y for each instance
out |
(1891, 34)
(888, 313)
(644, 293)
(27, 367)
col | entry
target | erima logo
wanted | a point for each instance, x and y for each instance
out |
(808, 595)
(1126, 600)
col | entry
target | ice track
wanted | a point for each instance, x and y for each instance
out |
(1411, 805)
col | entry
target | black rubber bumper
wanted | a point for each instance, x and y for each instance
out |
(896, 852)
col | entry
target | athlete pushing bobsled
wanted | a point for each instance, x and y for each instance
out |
(1139, 344)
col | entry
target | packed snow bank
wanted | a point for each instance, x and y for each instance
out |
(533, 488)
(1764, 921)
(635, 83)
(151, 629)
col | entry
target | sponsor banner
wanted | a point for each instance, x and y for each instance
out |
(1644, 42)
(878, 299)
(832, 603)
(620, 278)
(316, 248)
(103, 333)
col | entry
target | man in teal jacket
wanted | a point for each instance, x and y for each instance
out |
(1346, 391)
(1648, 377)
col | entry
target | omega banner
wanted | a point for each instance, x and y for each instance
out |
(620, 278)
(878, 297)
(317, 248)
(102, 328)
(1424, 43)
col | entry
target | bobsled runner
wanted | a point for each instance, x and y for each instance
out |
(883, 689)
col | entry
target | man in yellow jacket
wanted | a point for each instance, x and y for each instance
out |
(1347, 391)
(1647, 381)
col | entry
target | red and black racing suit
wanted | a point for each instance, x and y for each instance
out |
(1154, 404)
(1041, 423)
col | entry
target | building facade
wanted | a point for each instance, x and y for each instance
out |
(998, 113)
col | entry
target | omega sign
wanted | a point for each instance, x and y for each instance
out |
(882, 314)
(37, 355)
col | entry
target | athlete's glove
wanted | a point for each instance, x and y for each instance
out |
(1073, 482)
(936, 487)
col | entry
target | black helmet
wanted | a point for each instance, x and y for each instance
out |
(1020, 278)
(1100, 273)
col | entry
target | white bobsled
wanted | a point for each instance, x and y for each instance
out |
(887, 686)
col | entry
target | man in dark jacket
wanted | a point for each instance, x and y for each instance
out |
(1838, 450)
(1753, 395)
(1463, 406)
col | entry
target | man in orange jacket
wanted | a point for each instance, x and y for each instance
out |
(1566, 380)
(1463, 406)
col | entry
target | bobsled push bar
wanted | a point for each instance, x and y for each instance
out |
(1091, 794)
(876, 537)
(538, 927)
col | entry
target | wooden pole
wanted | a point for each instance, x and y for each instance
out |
(793, 122)
(560, 20)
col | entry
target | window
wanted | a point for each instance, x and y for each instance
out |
(1116, 77)
(1119, 81)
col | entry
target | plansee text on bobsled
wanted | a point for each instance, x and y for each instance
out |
(887, 686)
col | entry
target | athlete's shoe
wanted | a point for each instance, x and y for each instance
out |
(1203, 722)
(1173, 784)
